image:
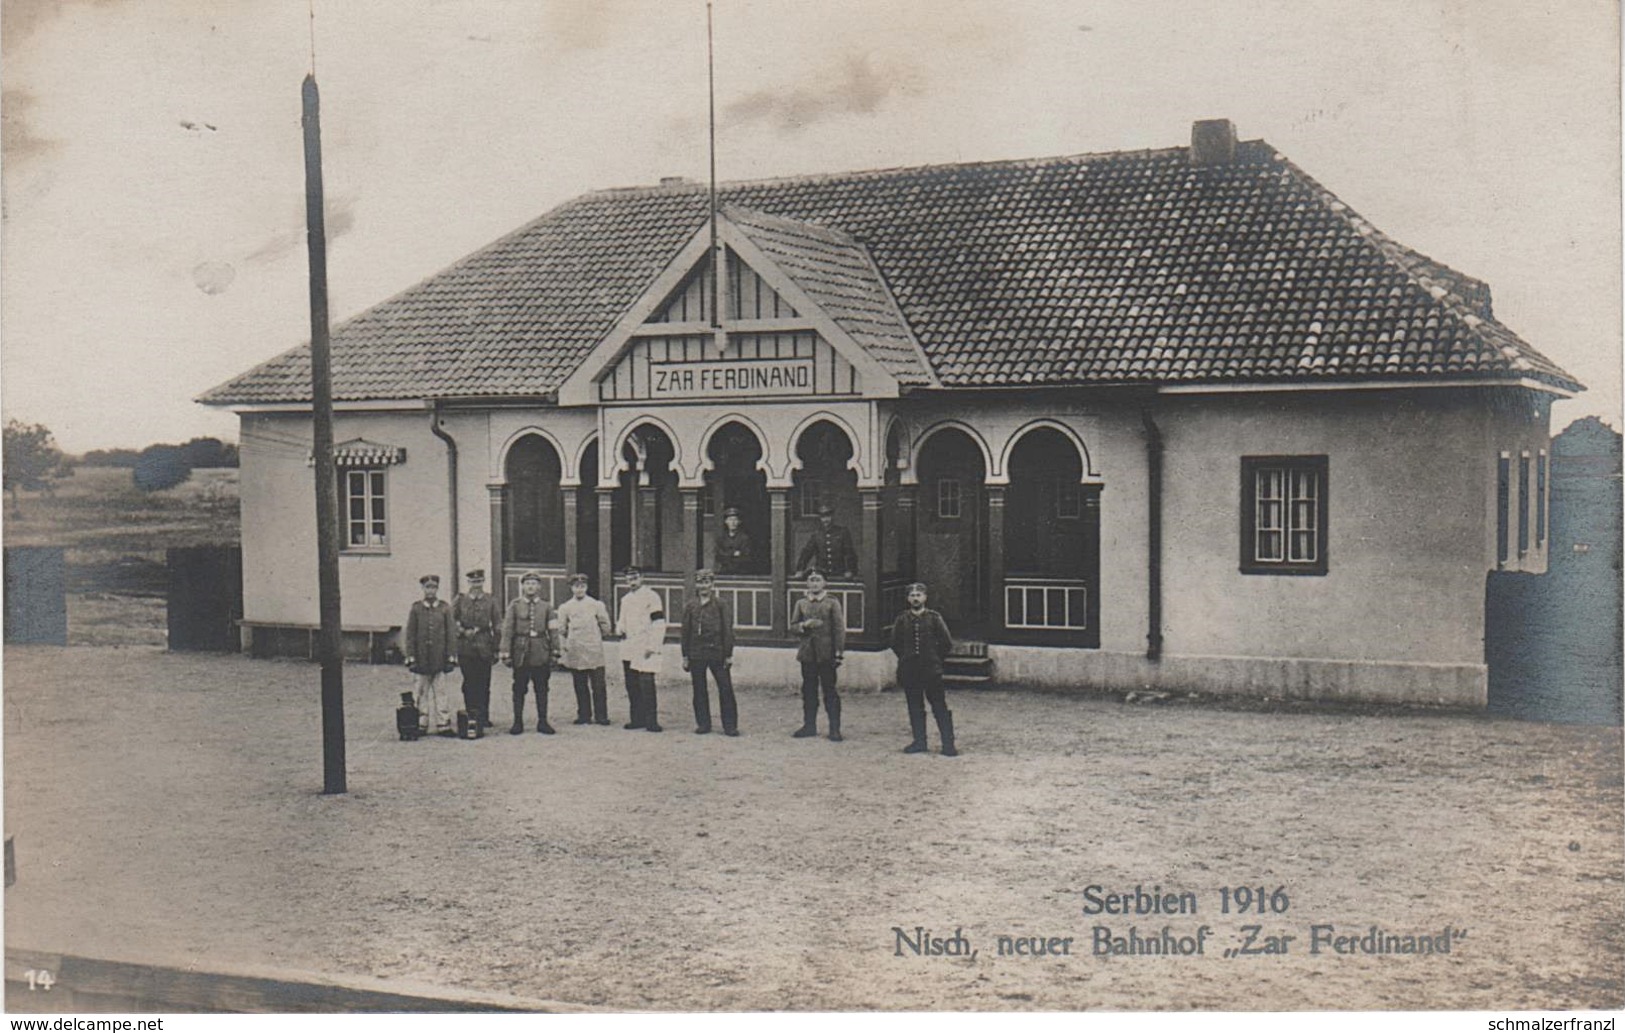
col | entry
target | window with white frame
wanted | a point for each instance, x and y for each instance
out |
(1068, 500)
(362, 493)
(1283, 514)
(811, 493)
(949, 498)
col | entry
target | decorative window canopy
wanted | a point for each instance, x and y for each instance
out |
(361, 452)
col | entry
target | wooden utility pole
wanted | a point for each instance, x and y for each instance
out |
(329, 642)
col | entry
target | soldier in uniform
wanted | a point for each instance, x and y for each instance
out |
(430, 645)
(733, 549)
(920, 639)
(479, 622)
(528, 646)
(829, 549)
(708, 645)
(583, 624)
(821, 625)
(639, 611)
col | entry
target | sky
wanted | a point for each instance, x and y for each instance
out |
(153, 234)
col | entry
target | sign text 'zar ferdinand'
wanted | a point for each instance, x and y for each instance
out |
(737, 377)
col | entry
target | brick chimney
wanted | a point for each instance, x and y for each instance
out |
(1213, 142)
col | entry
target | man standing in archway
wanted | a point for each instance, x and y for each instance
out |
(733, 548)
(829, 549)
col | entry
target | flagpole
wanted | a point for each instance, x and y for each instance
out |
(329, 639)
(711, 97)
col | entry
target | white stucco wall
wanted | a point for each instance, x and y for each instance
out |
(279, 520)
(1411, 531)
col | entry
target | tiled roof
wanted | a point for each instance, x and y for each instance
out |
(1097, 269)
(841, 278)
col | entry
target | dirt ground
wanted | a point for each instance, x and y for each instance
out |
(166, 808)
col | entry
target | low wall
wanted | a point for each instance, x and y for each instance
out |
(1031, 667)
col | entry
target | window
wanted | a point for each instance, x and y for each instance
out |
(362, 496)
(1068, 500)
(1523, 504)
(811, 495)
(1540, 499)
(1283, 514)
(1503, 499)
(948, 498)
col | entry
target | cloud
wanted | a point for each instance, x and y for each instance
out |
(855, 87)
(18, 139)
(340, 220)
(574, 25)
(20, 19)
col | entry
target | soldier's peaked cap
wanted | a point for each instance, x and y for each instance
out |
(475, 575)
(917, 586)
(429, 579)
(578, 579)
(531, 575)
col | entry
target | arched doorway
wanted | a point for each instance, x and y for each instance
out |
(1051, 539)
(534, 531)
(951, 519)
(734, 481)
(647, 512)
(824, 478)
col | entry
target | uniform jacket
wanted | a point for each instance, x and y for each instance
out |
(479, 622)
(529, 632)
(921, 640)
(732, 553)
(430, 642)
(822, 644)
(583, 623)
(829, 551)
(708, 629)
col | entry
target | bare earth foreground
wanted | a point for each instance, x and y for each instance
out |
(165, 809)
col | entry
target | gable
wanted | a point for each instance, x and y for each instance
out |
(800, 318)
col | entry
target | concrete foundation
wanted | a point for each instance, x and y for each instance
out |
(1363, 681)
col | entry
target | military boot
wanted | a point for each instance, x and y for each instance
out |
(916, 724)
(518, 714)
(945, 725)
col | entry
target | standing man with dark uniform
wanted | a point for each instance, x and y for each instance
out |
(821, 625)
(708, 645)
(528, 647)
(479, 622)
(829, 549)
(430, 645)
(733, 548)
(920, 639)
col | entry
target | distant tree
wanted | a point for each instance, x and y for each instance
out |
(31, 461)
(206, 453)
(125, 457)
(160, 467)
